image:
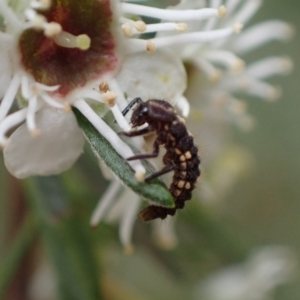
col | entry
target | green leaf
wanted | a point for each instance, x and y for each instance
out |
(11, 262)
(155, 190)
(67, 239)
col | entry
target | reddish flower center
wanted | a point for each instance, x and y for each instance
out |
(70, 68)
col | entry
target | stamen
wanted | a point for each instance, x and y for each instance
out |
(127, 222)
(36, 20)
(164, 234)
(137, 45)
(25, 87)
(226, 58)
(248, 10)
(9, 96)
(138, 141)
(269, 67)
(122, 122)
(30, 117)
(54, 29)
(67, 107)
(168, 14)
(52, 102)
(40, 4)
(106, 201)
(246, 122)
(262, 34)
(106, 172)
(122, 103)
(211, 23)
(68, 40)
(237, 107)
(10, 122)
(122, 148)
(135, 26)
(213, 74)
(237, 27)
(180, 27)
(39, 22)
(10, 17)
(46, 88)
(264, 90)
(231, 6)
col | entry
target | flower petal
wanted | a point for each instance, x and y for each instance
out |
(5, 66)
(159, 75)
(55, 150)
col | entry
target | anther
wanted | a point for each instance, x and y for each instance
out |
(237, 66)
(103, 87)
(140, 26)
(35, 132)
(68, 40)
(150, 47)
(127, 30)
(83, 42)
(274, 94)
(237, 27)
(287, 65)
(110, 98)
(222, 11)
(67, 107)
(181, 27)
(128, 249)
(215, 76)
(139, 176)
(239, 107)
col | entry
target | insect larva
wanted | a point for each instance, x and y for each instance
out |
(181, 153)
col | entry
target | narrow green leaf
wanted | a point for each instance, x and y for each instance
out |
(155, 190)
(15, 254)
(66, 237)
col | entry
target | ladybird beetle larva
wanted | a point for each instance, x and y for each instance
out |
(181, 153)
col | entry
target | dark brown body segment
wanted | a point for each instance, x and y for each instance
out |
(181, 153)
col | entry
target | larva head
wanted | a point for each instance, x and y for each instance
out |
(140, 114)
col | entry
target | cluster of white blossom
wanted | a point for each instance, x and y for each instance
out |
(255, 279)
(54, 56)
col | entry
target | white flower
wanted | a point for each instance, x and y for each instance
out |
(216, 53)
(57, 55)
(226, 73)
(253, 280)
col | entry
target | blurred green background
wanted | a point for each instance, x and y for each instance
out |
(48, 238)
(266, 205)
